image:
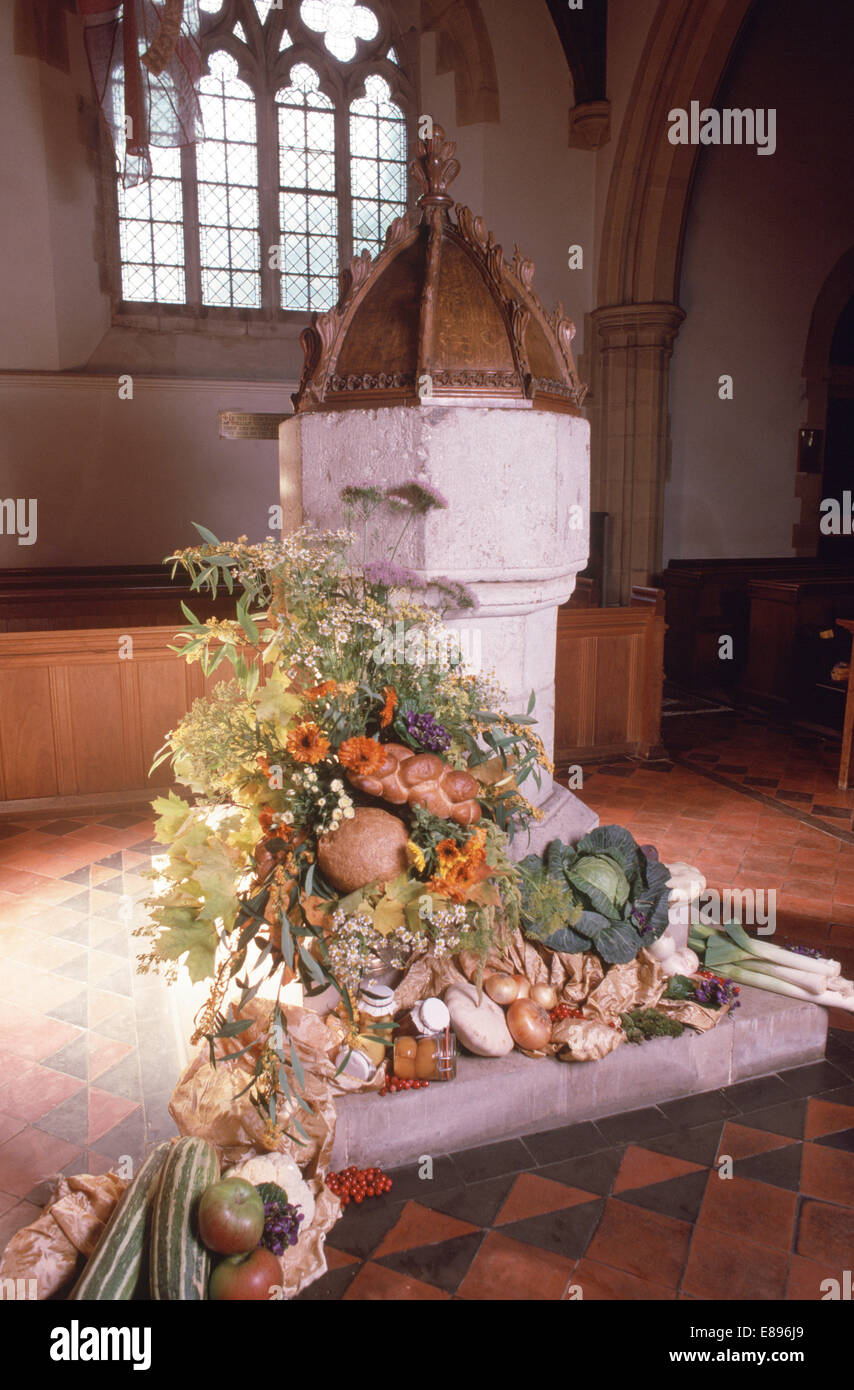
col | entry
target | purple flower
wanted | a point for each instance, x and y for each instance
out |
(807, 951)
(716, 993)
(424, 730)
(390, 576)
(281, 1226)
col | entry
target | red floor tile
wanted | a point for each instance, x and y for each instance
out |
(603, 1283)
(375, 1282)
(757, 1210)
(640, 1167)
(828, 1173)
(729, 1266)
(30, 1157)
(419, 1225)
(639, 1241)
(808, 1280)
(505, 1269)
(825, 1233)
(532, 1195)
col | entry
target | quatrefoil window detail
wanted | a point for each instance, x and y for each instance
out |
(341, 22)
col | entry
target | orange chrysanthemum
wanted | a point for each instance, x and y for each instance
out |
(307, 743)
(363, 756)
(461, 867)
(389, 707)
(318, 691)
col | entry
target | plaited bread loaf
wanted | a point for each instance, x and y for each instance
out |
(422, 779)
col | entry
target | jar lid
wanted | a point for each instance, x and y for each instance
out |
(358, 1064)
(376, 1000)
(431, 1015)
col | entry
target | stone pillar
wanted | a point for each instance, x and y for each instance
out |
(631, 433)
(515, 530)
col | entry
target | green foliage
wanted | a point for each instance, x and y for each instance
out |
(639, 1025)
(679, 987)
(271, 1192)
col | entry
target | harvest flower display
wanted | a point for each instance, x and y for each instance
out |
(349, 813)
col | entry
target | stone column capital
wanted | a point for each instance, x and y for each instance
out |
(637, 325)
(590, 125)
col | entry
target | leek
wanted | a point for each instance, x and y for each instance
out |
(741, 976)
(736, 939)
(807, 979)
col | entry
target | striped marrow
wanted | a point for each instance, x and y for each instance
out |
(180, 1264)
(116, 1267)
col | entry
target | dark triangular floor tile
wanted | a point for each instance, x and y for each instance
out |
(590, 1172)
(763, 1091)
(78, 933)
(69, 1120)
(332, 1287)
(787, 1119)
(125, 1138)
(120, 1026)
(73, 1060)
(122, 820)
(362, 1229)
(680, 1198)
(76, 969)
(698, 1145)
(74, 1011)
(112, 885)
(814, 1077)
(634, 1125)
(698, 1110)
(492, 1160)
(122, 1079)
(478, 1203)
(81, 902)
(555, 1145)
(843, 1139)
(566, 1232)
(444, 1264)
(119, 982)
(780, 1167)
(843, 1095)
(117, 945)
(112, 861)
(146, 847)
(80, 876)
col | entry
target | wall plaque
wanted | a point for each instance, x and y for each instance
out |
(244, 424)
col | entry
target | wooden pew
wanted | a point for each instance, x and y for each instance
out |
(608, 680)
(48, 600)
(709, 598)
(789, 664)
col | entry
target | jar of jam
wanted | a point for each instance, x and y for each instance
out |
(376, 1016)
(424, 1046)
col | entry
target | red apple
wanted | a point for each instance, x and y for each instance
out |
(246, 1277)
(231, 1216)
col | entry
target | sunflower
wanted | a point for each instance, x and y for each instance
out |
(390, 696)
(307, 743)
(461, 867)
(363, 756)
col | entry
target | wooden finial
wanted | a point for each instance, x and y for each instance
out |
(434, 168)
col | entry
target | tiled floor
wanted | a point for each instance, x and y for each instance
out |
(628, 1208)
(88, 1055)
(634, 1207)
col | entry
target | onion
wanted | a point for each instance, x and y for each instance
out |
(502, 988)
(544, 995)
(529, 1024)
(524, 986)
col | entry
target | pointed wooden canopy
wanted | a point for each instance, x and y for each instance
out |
(439, 315)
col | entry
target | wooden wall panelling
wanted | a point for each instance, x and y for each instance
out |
(27, 746)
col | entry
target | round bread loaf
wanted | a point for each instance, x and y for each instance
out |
(369, 848)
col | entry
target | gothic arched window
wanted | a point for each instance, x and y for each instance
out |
(305, 107)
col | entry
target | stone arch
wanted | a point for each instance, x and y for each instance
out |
(833, 297)
(638, 318)
(463, 47)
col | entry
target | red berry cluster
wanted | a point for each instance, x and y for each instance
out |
(355, 1184)
(562, 1011)
(396, 1083)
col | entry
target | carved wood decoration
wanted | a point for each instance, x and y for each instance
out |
(439, 314)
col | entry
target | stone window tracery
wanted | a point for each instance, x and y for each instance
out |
(306, 106)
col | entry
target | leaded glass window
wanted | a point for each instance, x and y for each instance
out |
(303, 161)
